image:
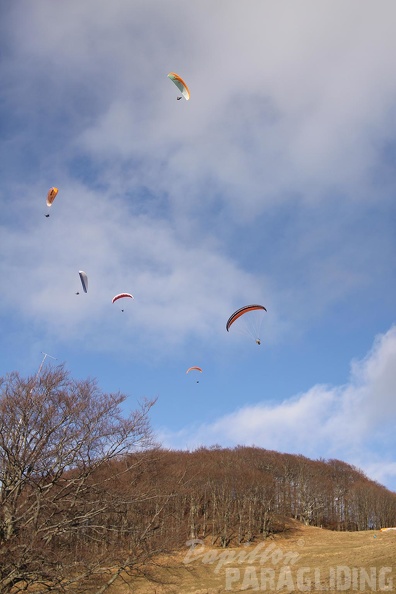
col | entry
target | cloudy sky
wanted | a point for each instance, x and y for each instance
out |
(275, 184)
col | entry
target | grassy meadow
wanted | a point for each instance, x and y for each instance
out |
(304, 559)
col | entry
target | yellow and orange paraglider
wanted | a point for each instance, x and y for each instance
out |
(181, 85)
(52, 194)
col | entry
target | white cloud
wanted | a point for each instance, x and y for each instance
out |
(277, 55)
(352, 422)
(288, 105)
(181, 287)
(284, 102)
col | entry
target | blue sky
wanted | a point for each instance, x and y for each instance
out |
(274, 184)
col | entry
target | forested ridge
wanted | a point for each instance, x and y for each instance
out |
(238, 495)
(162, 500)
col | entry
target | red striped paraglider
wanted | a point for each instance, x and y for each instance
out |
(247, 320)
(121, 296)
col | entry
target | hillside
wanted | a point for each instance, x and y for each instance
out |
(305, 558)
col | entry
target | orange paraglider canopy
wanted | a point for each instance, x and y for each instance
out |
(181, 85)
(52, 193)
(240, 312)
(194, 368)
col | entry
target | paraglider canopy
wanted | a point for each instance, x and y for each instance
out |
(52, 193)
(194, 368)
(121, 296)
(240, 312)
(181, 85)
(84, 280)
(249, 319)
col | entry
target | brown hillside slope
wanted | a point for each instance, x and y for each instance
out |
(305, 559)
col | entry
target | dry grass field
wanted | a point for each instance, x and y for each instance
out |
(305, 559)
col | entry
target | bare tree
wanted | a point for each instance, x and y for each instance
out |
(56, 436)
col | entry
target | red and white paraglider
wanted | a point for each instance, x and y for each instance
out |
(122, 296)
